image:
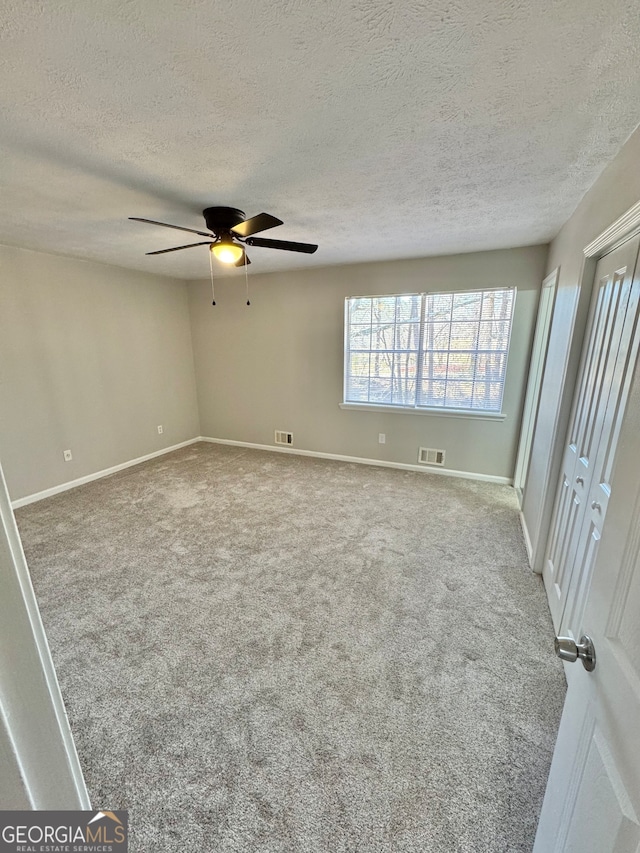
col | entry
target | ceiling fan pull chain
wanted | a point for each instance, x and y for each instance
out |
(246, 277)
(213, 294)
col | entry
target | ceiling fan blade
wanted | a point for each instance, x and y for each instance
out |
(257, 223)
(287, 245)
(166, 225)
(240, 263)
(177, 248)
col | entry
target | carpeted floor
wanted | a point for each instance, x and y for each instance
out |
(274, 653)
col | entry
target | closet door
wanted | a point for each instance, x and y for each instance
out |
(584, 488)
(536, 374)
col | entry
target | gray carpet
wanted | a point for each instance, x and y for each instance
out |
(274, 653)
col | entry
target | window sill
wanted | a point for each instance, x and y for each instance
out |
(442, 413)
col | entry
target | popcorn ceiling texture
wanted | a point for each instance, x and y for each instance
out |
(376, 128)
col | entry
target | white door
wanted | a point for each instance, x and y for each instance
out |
(585, 483)
(536, 374)
(592, 801)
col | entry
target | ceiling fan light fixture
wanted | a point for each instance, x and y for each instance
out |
(227, 251)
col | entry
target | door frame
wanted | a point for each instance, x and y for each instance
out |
(537, 366)
(36, 745)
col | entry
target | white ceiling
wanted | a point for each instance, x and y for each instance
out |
(376, 128)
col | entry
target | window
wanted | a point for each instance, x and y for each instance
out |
(428, 350)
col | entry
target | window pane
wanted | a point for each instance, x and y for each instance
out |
(461, 365)
(360, 310)
(436, 335)
(466, 306)
(384, 309)
(382, 336)
(407, 336)
(487, 396)
(434, 365)
(464, 336)
(357, 390)
(382, 364)
(494, 335)
(360, 337)
(408, 308)
(404, 378)
(380, 390)
(459, 394)
(497, 304)
(438, 306)
(359, 364)
(491, 366)
(433, 393)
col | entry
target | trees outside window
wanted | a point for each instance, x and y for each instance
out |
(428, 350)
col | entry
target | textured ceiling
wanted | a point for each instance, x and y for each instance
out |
(376, 128)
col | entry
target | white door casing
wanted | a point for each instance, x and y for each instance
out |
(534, 384)
(40, 767)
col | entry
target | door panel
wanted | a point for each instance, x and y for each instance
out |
(597, 412)
(586, 556)
(603, 818)
(596, 506)
(563, 534)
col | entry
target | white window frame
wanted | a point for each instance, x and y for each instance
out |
(449, 411)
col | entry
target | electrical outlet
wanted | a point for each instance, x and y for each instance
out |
(68, 456)
(382, 438)
(160, 429)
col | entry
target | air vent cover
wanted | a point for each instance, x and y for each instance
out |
(283, 437)
(429, 456)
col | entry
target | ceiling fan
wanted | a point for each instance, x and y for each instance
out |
(228, 232)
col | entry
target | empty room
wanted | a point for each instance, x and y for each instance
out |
(320, 427)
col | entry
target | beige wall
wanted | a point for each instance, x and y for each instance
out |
(92, 359)
(279, 363)
(615, 191)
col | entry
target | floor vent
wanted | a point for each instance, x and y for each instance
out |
(283, 437)
(429, 456)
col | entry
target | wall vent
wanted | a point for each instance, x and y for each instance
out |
(429, 456)
(283, 437)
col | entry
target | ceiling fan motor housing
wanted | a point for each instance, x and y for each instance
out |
(222, 219)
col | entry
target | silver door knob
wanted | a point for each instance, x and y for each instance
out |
(580, 480)
(567, 649)
(596, 505)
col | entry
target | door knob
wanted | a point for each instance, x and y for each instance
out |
(580, 480)
(567, 649)
(596, 505)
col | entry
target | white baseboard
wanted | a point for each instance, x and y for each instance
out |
(72, 484)
(423, 469)
(527, 539)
